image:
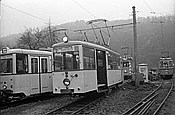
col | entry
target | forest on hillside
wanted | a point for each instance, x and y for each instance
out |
(154, 35)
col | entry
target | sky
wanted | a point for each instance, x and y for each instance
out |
(17, 15)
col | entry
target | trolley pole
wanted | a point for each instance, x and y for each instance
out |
(135, 47)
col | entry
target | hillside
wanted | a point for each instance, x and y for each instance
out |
(152, 39)
(153, 36)
(9, 41)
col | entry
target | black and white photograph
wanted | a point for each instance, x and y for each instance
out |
(87, 57)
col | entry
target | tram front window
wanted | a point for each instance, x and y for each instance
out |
(165, 64)
(67, 61)
(6, 66)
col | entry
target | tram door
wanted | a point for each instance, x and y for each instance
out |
(45, 74)
(101, 69)
(34, 77)
(41, 80)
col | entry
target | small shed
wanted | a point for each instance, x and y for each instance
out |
(143, 68)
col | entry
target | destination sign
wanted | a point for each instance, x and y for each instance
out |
(66, 49)
(6, 56)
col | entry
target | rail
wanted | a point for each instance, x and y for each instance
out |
(141, 103)
(157, 110)
(76, 106)
(144, 105)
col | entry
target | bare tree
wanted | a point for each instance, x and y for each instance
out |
(35, 38)
(25, 41)
(32, 38)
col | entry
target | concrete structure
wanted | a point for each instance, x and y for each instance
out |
(143, 68)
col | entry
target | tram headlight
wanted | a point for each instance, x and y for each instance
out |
(5, 86)
(65, 39)
(66, 82)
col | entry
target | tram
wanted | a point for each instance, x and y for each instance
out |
(24, 73)
(166, 66)
(81, 67)
(127, 67)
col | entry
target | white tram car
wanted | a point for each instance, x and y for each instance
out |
(25, 72)
(81, 67)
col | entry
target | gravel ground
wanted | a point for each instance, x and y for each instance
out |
(121, 100)
(38, 108)
(114, 103)
(169, 106)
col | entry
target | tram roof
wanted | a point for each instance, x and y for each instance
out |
(165, 58)
(27, 51)
(143, 64)
(89, 44)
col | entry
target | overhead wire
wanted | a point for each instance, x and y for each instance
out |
(34, 16)
(96, 17)
(24, 12)
(84, 8)
(148, 6)
(151, 10)
(90, 14)
(44, 20)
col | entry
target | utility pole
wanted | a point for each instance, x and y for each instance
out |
(162, 35)
(0, 36)
(50, 34)
(0, 18)
(135, 47)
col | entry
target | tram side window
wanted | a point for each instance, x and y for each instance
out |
(21, 63)
(112, 61)
(44, 65)
(88, 58)
(34, 65)
(6, 66)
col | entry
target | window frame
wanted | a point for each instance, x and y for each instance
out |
(113, 61)
(44, 65)
(74, 58)
(88, 58)
(7, 60)
(34, 66)
(25, 65)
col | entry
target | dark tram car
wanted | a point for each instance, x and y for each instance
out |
(127, 67)
(166, 67)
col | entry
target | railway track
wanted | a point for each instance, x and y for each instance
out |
(76, 106)
(152, 103)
